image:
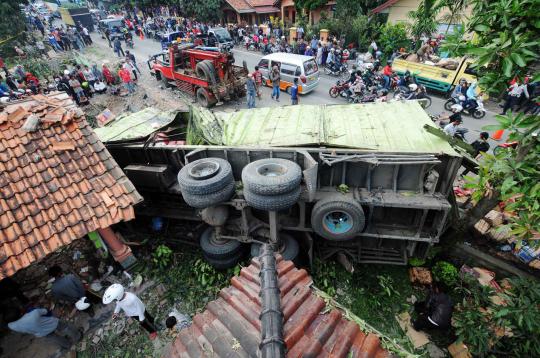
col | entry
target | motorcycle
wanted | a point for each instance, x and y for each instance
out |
(478, 112)
(339, 89)
(504, 146)
(341, 71)
(403, 95)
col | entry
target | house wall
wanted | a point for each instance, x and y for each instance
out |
(397, 13)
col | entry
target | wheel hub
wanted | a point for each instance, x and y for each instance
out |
(204, 170)
(271, 170)
(338, 222)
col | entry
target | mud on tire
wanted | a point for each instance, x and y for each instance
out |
(272, 202)
(272, 176)
(337, 218)
(205, 176)
(210, 199)
(224, 263)
(218, 249)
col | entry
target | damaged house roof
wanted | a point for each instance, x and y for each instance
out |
(230, 326)
(57, 181)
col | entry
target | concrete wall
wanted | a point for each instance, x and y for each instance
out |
(397, 13)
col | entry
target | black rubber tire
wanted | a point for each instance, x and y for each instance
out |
(211, 71)
(448, 104)
(218, 181)
(289, 249)
(272, 202)
(225, 263)
(334, 93)
(429, 101)
(202, 97)
(202, 71)
(498, 149)
(478, 114)
(337, 203)
(211, 199)
(228, 249)
(257, 183)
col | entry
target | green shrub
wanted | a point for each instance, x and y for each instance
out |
(446, 273)
(415, 262)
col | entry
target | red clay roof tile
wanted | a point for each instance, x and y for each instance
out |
(309, 330)
(45, 187)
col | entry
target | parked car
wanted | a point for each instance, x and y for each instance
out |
(291, 66)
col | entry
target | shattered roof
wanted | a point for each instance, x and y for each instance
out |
(57, 183)
(382, 127)
(230, 325)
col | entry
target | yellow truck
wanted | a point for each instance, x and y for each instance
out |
(437, 78)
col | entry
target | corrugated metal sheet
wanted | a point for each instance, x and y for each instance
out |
(135, 125)
(230, 325)
(384, 127)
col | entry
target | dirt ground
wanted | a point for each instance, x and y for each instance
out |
(148, 91)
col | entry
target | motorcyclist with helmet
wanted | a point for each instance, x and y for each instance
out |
(405, 81)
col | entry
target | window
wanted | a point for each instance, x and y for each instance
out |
(263, 64)
(288, 69)
(310, 67)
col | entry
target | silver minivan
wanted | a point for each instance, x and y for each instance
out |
(291, 66)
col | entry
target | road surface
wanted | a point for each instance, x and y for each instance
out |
(147, 47)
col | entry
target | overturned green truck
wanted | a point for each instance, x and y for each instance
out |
(367, 182)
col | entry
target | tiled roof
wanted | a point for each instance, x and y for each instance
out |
(255, 3)
(266, 9)
(240, 6)
(230, 325)
(383, 6)
(57, 183)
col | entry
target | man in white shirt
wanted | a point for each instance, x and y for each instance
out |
(132, 307)
(452, 127)
(515, 92)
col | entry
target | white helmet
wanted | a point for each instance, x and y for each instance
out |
(457, 107)
(66, 72)
(113, 292)
(82, 304)
(413, 86)
(332, 50)
(461, 98)
(369, 66)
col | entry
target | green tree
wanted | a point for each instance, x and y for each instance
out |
(12, 29)
(424, 19)
(393, 37)
(511, 176)
(507, 40)
(202, 10)
(455, 11)
(455, 44)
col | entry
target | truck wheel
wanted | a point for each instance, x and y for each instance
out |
(205, 176)
(211, 71)
(224, 263)
(211, 199)
(288, 247)
(448, 104)
(272, 176)
(337, 218)
(218, 249)
(272, 202)
(202, 97)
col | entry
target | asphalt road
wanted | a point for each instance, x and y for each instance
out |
(147, 47)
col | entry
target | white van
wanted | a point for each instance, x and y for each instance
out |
(291, 66)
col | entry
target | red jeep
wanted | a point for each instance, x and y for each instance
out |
(210, 76)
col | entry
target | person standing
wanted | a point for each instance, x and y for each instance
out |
(319, 54)
(275, 77)
(127, 65)
(107, 34)
(107, 74)
(257, 77)
(131, 305)
(294, 92)
(387, 74)
(40, 323)
(118, 47)
(133, 62)
(125, 76)
(251, 91)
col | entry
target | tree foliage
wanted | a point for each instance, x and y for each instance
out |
(424, 19)
(13, 27)
(455, 11)
(393, 37)
(507, 40)
(513, 176)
